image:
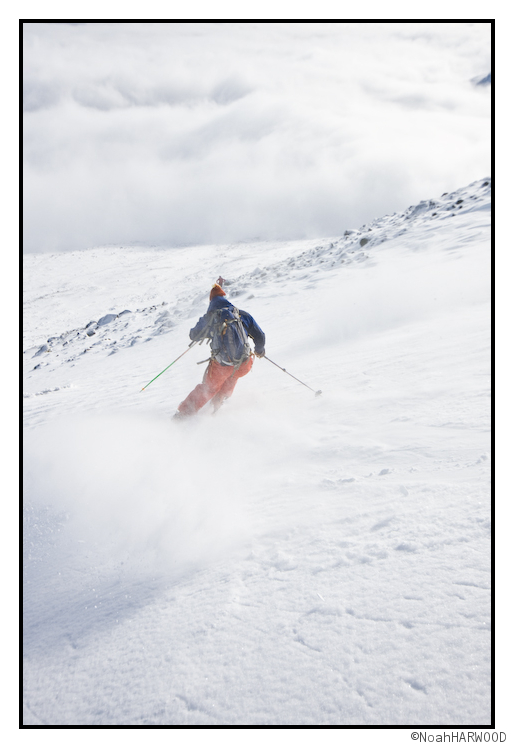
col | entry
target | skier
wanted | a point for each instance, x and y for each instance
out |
(231, 356)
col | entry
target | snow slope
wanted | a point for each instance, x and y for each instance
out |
(294, 560)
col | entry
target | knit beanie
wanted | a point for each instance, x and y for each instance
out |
(216, 290)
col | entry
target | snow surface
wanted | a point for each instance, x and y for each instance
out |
(294, 560)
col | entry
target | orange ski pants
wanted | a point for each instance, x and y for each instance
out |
(218, 384)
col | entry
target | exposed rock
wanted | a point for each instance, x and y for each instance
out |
(107, 319)
(44, 349)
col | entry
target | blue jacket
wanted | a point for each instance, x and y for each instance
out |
(201, 329)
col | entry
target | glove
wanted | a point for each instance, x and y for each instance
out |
(260, 354)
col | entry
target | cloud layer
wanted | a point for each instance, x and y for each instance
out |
(180, 133)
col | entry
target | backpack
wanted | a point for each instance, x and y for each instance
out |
(229, 341)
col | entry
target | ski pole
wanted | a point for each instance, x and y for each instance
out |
(173, 362)
(318, 392)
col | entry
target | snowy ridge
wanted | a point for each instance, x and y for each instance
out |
(477, 196)
(294, 560)
(113, 331)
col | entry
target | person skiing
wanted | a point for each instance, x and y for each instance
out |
(228, 329)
